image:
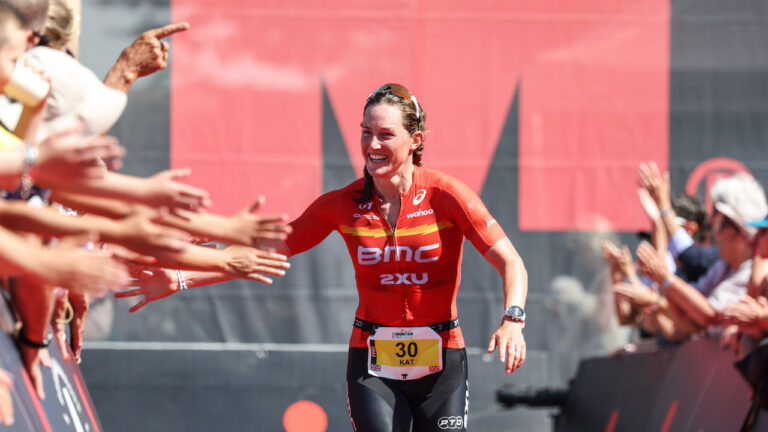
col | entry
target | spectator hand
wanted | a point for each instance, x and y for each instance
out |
(657, 185)
(81, 270)
(145, 56)
(651, 263)
(748, 312)
(65, 158)
(730, 338)
(249, 263)
(511, 344)
(153, 283)
(649, 205)
(140, 233)
(248, 229)
(164, 191)
(637, 294)
(62, 314)
(619, 261)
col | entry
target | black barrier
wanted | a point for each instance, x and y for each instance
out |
(67, 405)
(237, 387)
(688, 388)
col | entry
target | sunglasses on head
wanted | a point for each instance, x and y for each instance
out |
(401, 92)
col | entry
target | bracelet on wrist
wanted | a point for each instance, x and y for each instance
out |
(31, 153)
(181, 280)
(665, 211)
(21, 338)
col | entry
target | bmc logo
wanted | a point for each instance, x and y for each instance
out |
(419, 196)
(453, 422)
(420, 212)
(404, 279)
(371, 256)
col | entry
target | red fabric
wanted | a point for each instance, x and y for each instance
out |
(408, 277)
(591, 78)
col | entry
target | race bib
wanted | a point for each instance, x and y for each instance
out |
(404, 353)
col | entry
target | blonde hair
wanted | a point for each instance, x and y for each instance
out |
(61, 26)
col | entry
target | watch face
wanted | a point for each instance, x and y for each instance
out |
(515, 312)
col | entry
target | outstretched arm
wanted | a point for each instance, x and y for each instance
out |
(509, 336)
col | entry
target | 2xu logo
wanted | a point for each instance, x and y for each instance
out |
(452, 422)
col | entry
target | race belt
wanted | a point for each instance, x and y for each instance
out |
(370, 327)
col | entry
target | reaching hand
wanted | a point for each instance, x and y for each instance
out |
(154, 284)
(139, 233)
(249, 263)
(248, 228)
(81, 270)
(66, 158)
(164, 191)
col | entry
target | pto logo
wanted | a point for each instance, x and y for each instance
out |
(452, 422)
(419, 196)
(420, 212)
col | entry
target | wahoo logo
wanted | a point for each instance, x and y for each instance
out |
(420, 212)
(419, 196)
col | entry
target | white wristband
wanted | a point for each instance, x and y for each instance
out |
(182, 280)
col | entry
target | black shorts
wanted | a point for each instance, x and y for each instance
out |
(436, 402)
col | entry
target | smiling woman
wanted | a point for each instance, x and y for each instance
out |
(404, 227)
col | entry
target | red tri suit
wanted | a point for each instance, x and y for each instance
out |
(408, 276)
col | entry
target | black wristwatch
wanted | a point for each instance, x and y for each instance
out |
(515, 313)
(24, 340)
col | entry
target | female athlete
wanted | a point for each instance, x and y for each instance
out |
(404, 227)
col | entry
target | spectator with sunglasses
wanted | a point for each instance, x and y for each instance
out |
(736, 200)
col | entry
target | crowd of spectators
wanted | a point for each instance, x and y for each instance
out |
(702, 272)
(72, 228)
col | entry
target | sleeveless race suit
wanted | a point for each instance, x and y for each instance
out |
(406, 276)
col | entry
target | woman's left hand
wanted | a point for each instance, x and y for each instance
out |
(509, 339)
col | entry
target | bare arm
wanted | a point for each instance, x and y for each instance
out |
(509, 336)
(145, 56)
(160, 190)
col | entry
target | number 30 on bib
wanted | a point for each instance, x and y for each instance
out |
(404, 353)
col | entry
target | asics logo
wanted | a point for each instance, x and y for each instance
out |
(419, 196)
(420, 212)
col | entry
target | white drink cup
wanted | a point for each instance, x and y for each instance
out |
(26, 86)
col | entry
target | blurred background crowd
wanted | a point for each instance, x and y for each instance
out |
(72, 228)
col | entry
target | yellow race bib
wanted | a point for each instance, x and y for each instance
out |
(404, 353)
